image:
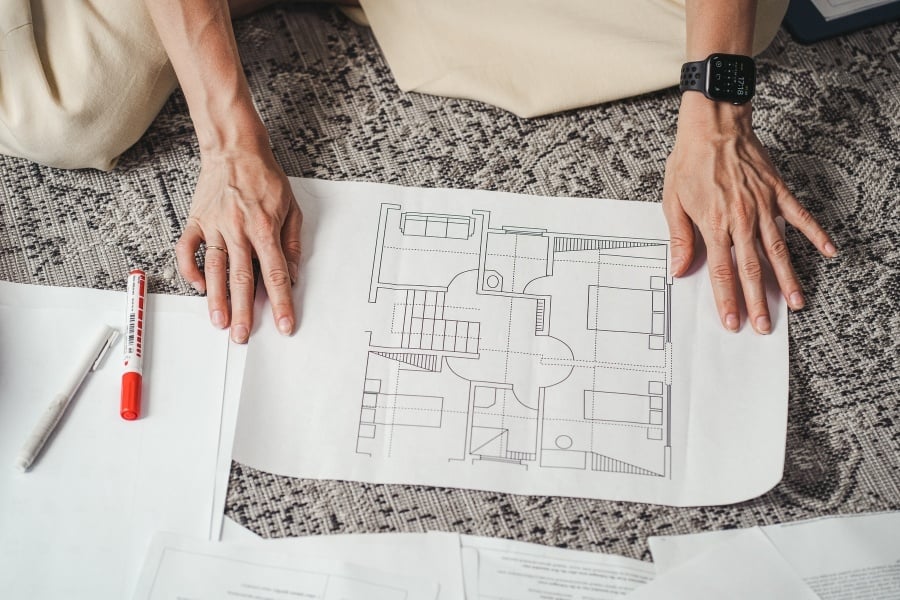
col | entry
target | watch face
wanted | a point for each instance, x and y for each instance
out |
(731, 78)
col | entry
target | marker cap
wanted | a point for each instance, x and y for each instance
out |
(130, 407)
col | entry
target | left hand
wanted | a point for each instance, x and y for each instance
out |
(243, 208)
(720, 178)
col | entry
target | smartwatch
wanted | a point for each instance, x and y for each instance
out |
(722, 77)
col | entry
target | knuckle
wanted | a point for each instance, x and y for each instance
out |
(278, 278)
(804, 217)
(680, 241)
(215, 261)
(751, 269)
(743, 217)
(719, 237)
(182, 246)
(292, 246)
(778, 249)
(241, 277)
(264, 225)
(721, 273)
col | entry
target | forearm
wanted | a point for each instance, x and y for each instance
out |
(199, 40)
(719, 26)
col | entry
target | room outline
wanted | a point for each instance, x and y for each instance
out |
(510, 344)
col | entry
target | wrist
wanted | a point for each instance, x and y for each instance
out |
(230, 125)
(699, 112)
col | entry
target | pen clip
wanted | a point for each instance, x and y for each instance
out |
(110, 340)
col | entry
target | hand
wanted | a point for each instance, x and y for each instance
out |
(243, 208)
(720, 178)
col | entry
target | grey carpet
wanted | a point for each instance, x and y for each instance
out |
(830, 115)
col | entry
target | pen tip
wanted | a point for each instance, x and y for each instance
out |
(21, 465)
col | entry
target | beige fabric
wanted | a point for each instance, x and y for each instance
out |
(534, 57)
(80, 80)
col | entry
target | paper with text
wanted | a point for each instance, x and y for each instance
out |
(512, 343)
(746, 567)
(848, 556)
(180, 567)
(497, 569)
(432, 556)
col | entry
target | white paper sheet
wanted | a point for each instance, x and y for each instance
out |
(78, 523)
(744, 567)
(432, 556)
(500, 569)
(512, 343)
(835, 9)
(179, 567)
(850, 556)
(234, 375)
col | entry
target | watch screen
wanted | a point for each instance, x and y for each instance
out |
(731, 78)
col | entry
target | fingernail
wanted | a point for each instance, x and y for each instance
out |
(198, 285)
(796, 301)
(218, 319)
(677, 263)
(830, 250)
(285, 326)
(239, 334)
(732, 322)
(763, 324)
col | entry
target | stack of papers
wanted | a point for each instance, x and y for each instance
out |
(826, 559)
(446, 337)
(854, 556)
(78, 523)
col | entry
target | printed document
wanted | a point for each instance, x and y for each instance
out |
(180, 567)
(511, 343)
(848, 556)
(432, 556)
(498, 569)
(746, 567)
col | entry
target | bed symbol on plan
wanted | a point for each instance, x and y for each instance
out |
(516, 345)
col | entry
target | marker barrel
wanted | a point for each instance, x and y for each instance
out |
(130, 406)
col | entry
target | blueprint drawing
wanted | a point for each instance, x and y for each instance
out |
(511, 343)
(539, 349)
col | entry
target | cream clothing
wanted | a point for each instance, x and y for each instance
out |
(81, 80)
(535, 57)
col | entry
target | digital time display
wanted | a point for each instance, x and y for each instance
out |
(731, 78)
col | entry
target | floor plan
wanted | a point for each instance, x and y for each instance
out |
(535, 348)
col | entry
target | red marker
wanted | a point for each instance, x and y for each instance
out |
(130, 407)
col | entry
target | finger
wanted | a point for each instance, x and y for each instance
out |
(795, 214)
(240, 279)
(776, 251)
(749, 268)
(721, 275)
(290, 241)
(277, 279)
(681, 233)
(185, 256)
(216, 268)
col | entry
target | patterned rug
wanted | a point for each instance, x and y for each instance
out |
(829, 113)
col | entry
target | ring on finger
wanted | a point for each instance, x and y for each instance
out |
(219, 248)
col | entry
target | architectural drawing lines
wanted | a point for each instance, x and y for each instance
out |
(513, 345)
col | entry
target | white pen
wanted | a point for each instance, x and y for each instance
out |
(53, 413)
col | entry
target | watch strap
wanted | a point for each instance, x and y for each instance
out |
(693, 76)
